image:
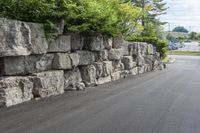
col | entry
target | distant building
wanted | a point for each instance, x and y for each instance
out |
(178, 34)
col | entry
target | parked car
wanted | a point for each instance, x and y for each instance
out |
(188, 40)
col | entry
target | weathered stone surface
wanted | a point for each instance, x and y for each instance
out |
(61, 44)
(107, 68)
(115, 54)
(134, 71)
(19, 38)
(150, 49)
(23, 65)
(62, 61)
(157, 56)
(161, 66)
(48, 83)
(117, 65)
(147, 67)
(117, 42)
(115, 75)
(138, 48)
(142, 48)
(103, 55)
(108, 42)
(149, 59)
(103, 69)
(133, 48)
(73, 80)
(74, 59)
(86, 57)
(124, 74)
(99, 69)
(141, 69)
(76, 42)
(128, 62)
(15, 90)
(155, 64)
(80, 86)
(93, 43)
(125, 49)
(104, 80)
(88, 74)
(140, 60)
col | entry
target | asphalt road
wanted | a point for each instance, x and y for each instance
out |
(162, 102)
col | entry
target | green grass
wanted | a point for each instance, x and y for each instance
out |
(165, 60)
(189, 53)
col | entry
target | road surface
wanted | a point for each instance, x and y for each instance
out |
(162, 102)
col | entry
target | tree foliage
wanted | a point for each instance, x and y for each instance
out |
(180, 29)
(107, 17)
(90, 17)
(153, 31)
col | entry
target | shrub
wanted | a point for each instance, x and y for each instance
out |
(107, 17)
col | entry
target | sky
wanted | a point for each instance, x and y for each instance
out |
(183, 13)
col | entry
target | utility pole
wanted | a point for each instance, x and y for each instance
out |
(169, 32)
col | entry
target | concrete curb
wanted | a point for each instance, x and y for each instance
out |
(172, 60)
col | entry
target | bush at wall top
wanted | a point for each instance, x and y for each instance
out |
(105, 17)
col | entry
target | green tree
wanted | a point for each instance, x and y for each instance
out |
(180, 29)
(193, 36)
(93, 17)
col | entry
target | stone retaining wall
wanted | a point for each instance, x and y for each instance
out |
(31, 67)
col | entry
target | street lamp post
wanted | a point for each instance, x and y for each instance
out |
(169, 30)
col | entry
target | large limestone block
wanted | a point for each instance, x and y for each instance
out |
(141, 69)
(107, 68)
(142, 48)
(134, 71)
(115, 54)
(157, 56)
(88, 74)
(86, 57)
(155, 64)
(128, 62)
(108, 43)
(62, 61)
(117, 65)
(48, 83)
(74, 59)
(133, 48)
(116, 75)
(149, 59)
(124, 74)
(20, 38)
(93, 43)
(61, 44)
(140, 60)
(73, 80)
(76, 42)
(99, 69)
(15, 90)
(103, 55)
(104, 80)
(150, 49)
(24, 65)
(118, 42)
(147, 68)
(125, 49)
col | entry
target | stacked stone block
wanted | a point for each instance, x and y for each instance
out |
(32, 67)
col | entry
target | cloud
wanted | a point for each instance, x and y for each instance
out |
(184, 13)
